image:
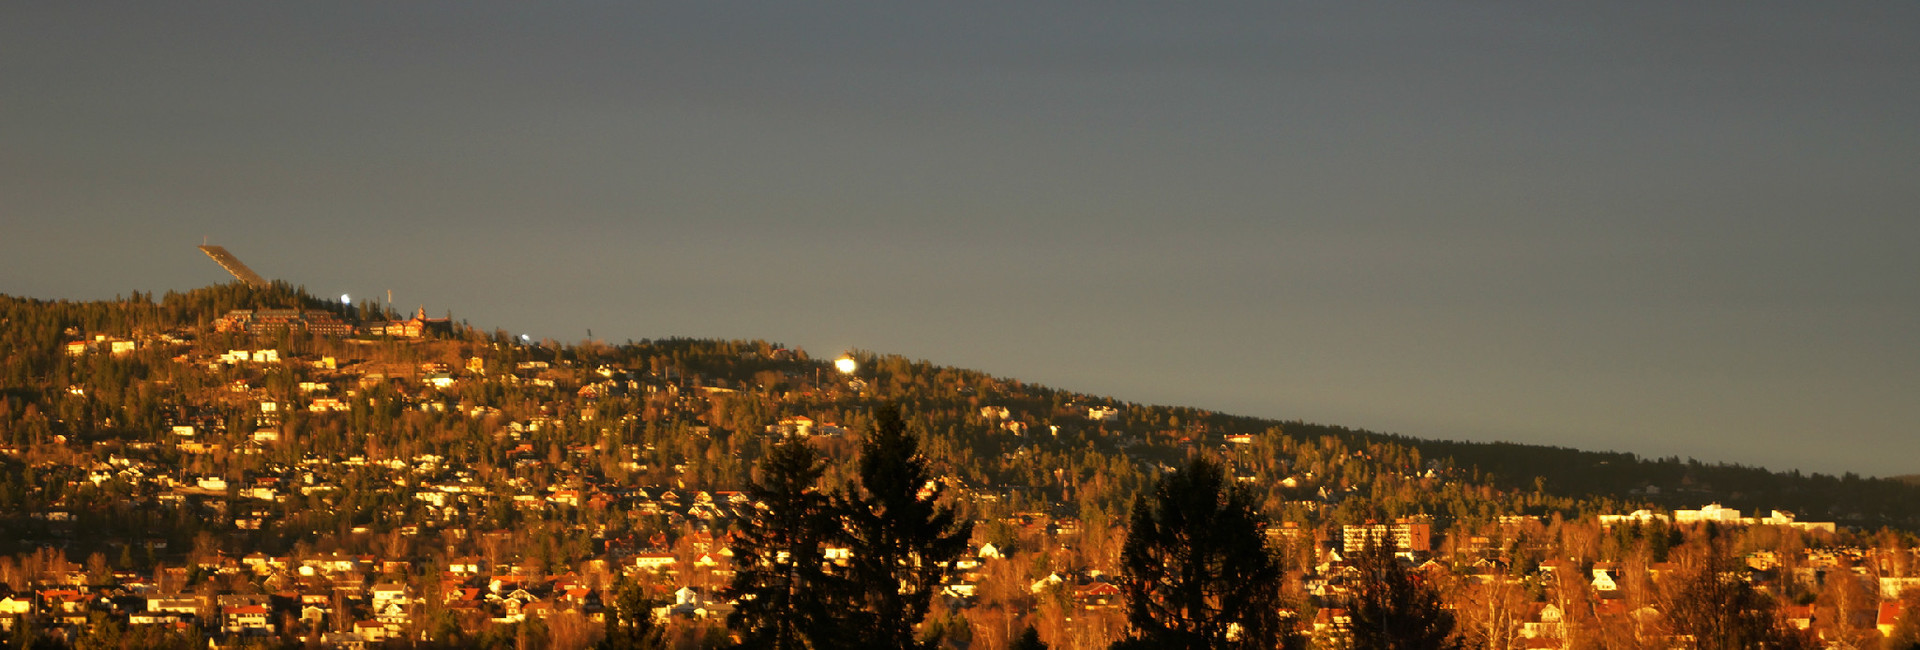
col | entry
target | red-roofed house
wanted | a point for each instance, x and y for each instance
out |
(1889, 614)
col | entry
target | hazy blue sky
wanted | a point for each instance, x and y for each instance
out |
(1670, 228)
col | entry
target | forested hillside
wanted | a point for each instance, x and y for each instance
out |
(137, 436)
(1044, 448)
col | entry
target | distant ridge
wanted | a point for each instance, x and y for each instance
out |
(1351, 474)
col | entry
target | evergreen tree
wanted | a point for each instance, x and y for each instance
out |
(1392, 609)
(902, 539)
(781, 580)
(1029, 640)
(1195, 568)
(630, 622)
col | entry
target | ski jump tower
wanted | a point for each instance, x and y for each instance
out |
(234, 265)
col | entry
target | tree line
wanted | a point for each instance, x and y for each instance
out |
(1197, 569)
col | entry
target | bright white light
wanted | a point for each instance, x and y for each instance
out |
(846, 365)
(344, 300)
(524, 338)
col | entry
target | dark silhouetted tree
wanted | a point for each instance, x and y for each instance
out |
(1195, 568)
(630, 622)
(903, 540)
(1029, 640)
(1391, 608)
(781, 581)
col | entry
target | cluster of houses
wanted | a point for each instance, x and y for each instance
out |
(361, 600)
(326, 323)
(1715, 513)
(1603, 598)
(102, 343)
(353, 601)
(332, 600)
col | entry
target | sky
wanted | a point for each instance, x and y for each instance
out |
(1663, 228)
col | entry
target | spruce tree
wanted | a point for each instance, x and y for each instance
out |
(630, 622)
(1195, 569)
(902, 539)
(781, 581)
(1029, 640)
(1392, 609)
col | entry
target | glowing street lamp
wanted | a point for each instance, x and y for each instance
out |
(846, 365)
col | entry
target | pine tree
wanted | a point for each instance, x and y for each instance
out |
(1195, 568)
(1392, 609)
(902, 539)
(781, 581)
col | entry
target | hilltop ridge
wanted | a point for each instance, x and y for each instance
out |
(985, 428)
(247, 452)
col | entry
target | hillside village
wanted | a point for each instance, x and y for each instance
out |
(239, 476)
